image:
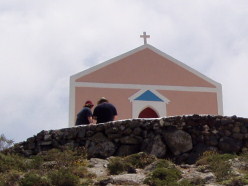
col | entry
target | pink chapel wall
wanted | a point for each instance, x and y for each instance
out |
(118, 97)
(181, 102)
(184, 103)
(139, 68)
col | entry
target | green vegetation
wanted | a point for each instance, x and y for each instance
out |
(129, 163)
(70, 167)
(50, 168)
(218, 164)
(164, 173)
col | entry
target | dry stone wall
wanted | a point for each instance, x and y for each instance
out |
(182, 138)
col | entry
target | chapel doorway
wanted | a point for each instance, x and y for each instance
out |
(148, 113)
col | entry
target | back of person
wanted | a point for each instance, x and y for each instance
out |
(104, 112)
(82, 116)
(85, 115)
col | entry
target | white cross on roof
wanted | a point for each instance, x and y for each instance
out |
(145, 37)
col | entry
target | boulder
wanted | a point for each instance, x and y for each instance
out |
(100, 146)
(125, 150)
(154, 146)
(177, 141)
(229, 145)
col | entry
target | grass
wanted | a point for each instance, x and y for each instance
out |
(69, 167)
(129, 163)
(54, 167)
(218, 164)
(164, 173)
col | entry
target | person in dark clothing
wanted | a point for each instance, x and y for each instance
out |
(84, 117)
(104, 111)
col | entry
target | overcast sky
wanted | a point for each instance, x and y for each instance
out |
(43, 43)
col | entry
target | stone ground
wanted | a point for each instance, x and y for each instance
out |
(192, 172)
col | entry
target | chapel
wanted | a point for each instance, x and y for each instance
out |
(146, 83)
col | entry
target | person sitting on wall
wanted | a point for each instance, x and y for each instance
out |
(104, 111)
(84, 117)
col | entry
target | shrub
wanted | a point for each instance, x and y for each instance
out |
(117, 165)
(35, 162)
(82, 172)
(12, 161)
(218, 163)
(235, 182)
(10, 177)
(31, 179)
(140, 160)
(162, 163)
(163, 176)
(64, 157)
(63, 177)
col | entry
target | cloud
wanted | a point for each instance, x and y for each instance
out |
(44, 43)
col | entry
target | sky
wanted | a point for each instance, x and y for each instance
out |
(43, 43)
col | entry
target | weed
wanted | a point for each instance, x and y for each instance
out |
(218, 163)
(10, 177)
(63, 177)
(238, 181)
(117, 165)
(31, 179)
(8, 162)
(140, 160)
(163, 176)
(82, 172)
(164, 173)
(63, 158)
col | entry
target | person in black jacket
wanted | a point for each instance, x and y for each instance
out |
(84, 117)
(104, 111)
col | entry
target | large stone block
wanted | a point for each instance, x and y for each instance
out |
(125, 150)
(100, 146)
(178, 141)
(154, 146)
(229, 145)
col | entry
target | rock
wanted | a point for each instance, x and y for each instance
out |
(129, 140)
(178, 141)
(212, 140)
(125, 150)
(99, 146)
(48, 137)
(229, 145)
(81, 132)
(236, 129)
(137, 131)
(238, 136)
(98, 167)
(128, 179)
(154, 146)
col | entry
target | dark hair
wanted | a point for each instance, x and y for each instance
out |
(102, 100)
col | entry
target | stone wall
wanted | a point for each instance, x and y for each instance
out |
(182, 138)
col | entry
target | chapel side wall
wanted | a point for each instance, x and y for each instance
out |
(186, 103)
(118, 97)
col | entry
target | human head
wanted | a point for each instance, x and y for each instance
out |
(102, 100)
(89, 104)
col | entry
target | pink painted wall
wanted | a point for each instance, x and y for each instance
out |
(148, 68)
(180, 102)
(118, 97)
(183, 103)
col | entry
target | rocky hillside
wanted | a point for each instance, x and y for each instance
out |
(71, 167)
(182, 150)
